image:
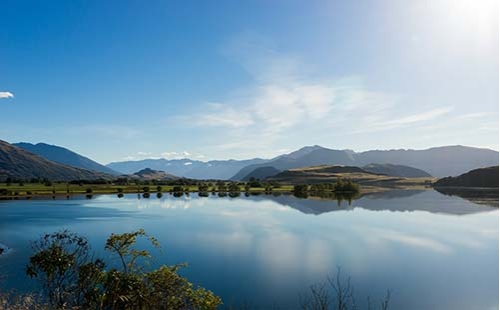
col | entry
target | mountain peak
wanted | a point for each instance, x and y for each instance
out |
(147, 170)
(303, 151)
(19, 163)
(64, 156)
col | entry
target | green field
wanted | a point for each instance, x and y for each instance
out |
(371, 184)
(59, 189)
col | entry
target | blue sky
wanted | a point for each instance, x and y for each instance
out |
(117, 80)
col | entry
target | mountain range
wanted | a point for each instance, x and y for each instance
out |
(17, 163)
(25, 160)
(438, 161)
(64, 156)
(195, 169)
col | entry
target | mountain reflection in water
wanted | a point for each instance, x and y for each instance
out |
(394, 200)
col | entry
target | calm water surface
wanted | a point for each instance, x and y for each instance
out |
(432, 251)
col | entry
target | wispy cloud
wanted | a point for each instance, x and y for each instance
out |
(163, 155)
(286, 97)
(6, 94)
(472, 115)
(411, 240)
(403, 121)
(420, 117)
(128, 158)
(222, 115)
(175, 155)
(463, 123)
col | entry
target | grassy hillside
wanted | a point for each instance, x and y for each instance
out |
(396, 170)
(64, 156)
(483, 177)
(150, 174)
(329, 174)
(17, 163)
(261, 173)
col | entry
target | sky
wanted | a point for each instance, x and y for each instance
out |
(128, 80)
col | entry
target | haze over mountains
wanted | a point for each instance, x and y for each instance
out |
(21, 160)
(438, 162)
(195, 169)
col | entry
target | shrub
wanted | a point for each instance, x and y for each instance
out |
(71, 278)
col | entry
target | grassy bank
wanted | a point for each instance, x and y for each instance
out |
(34, 190)
(63, 189)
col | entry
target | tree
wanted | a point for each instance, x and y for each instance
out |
(122, 245)
(253, 182)
(234, 187)
(300, 190)
(203, 187)
(345, 185)
(58, 261)
(177, 189)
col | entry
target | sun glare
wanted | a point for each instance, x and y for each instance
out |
(475, 16)
(461, 25)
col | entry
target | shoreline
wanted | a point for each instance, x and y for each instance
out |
(46, 196)
(366, 190)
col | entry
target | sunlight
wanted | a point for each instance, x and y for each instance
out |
(472, 17)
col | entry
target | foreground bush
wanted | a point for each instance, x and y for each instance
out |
(72, 278)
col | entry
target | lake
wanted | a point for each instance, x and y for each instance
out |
(431, 250)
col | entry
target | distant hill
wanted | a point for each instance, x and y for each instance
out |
(64, 156)
(18, 163)
(150, 174)
(261, 173)
(438, 161)
(194, 169)
(483, 177)
(304, 157)
(328, 174)
(396, 170)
